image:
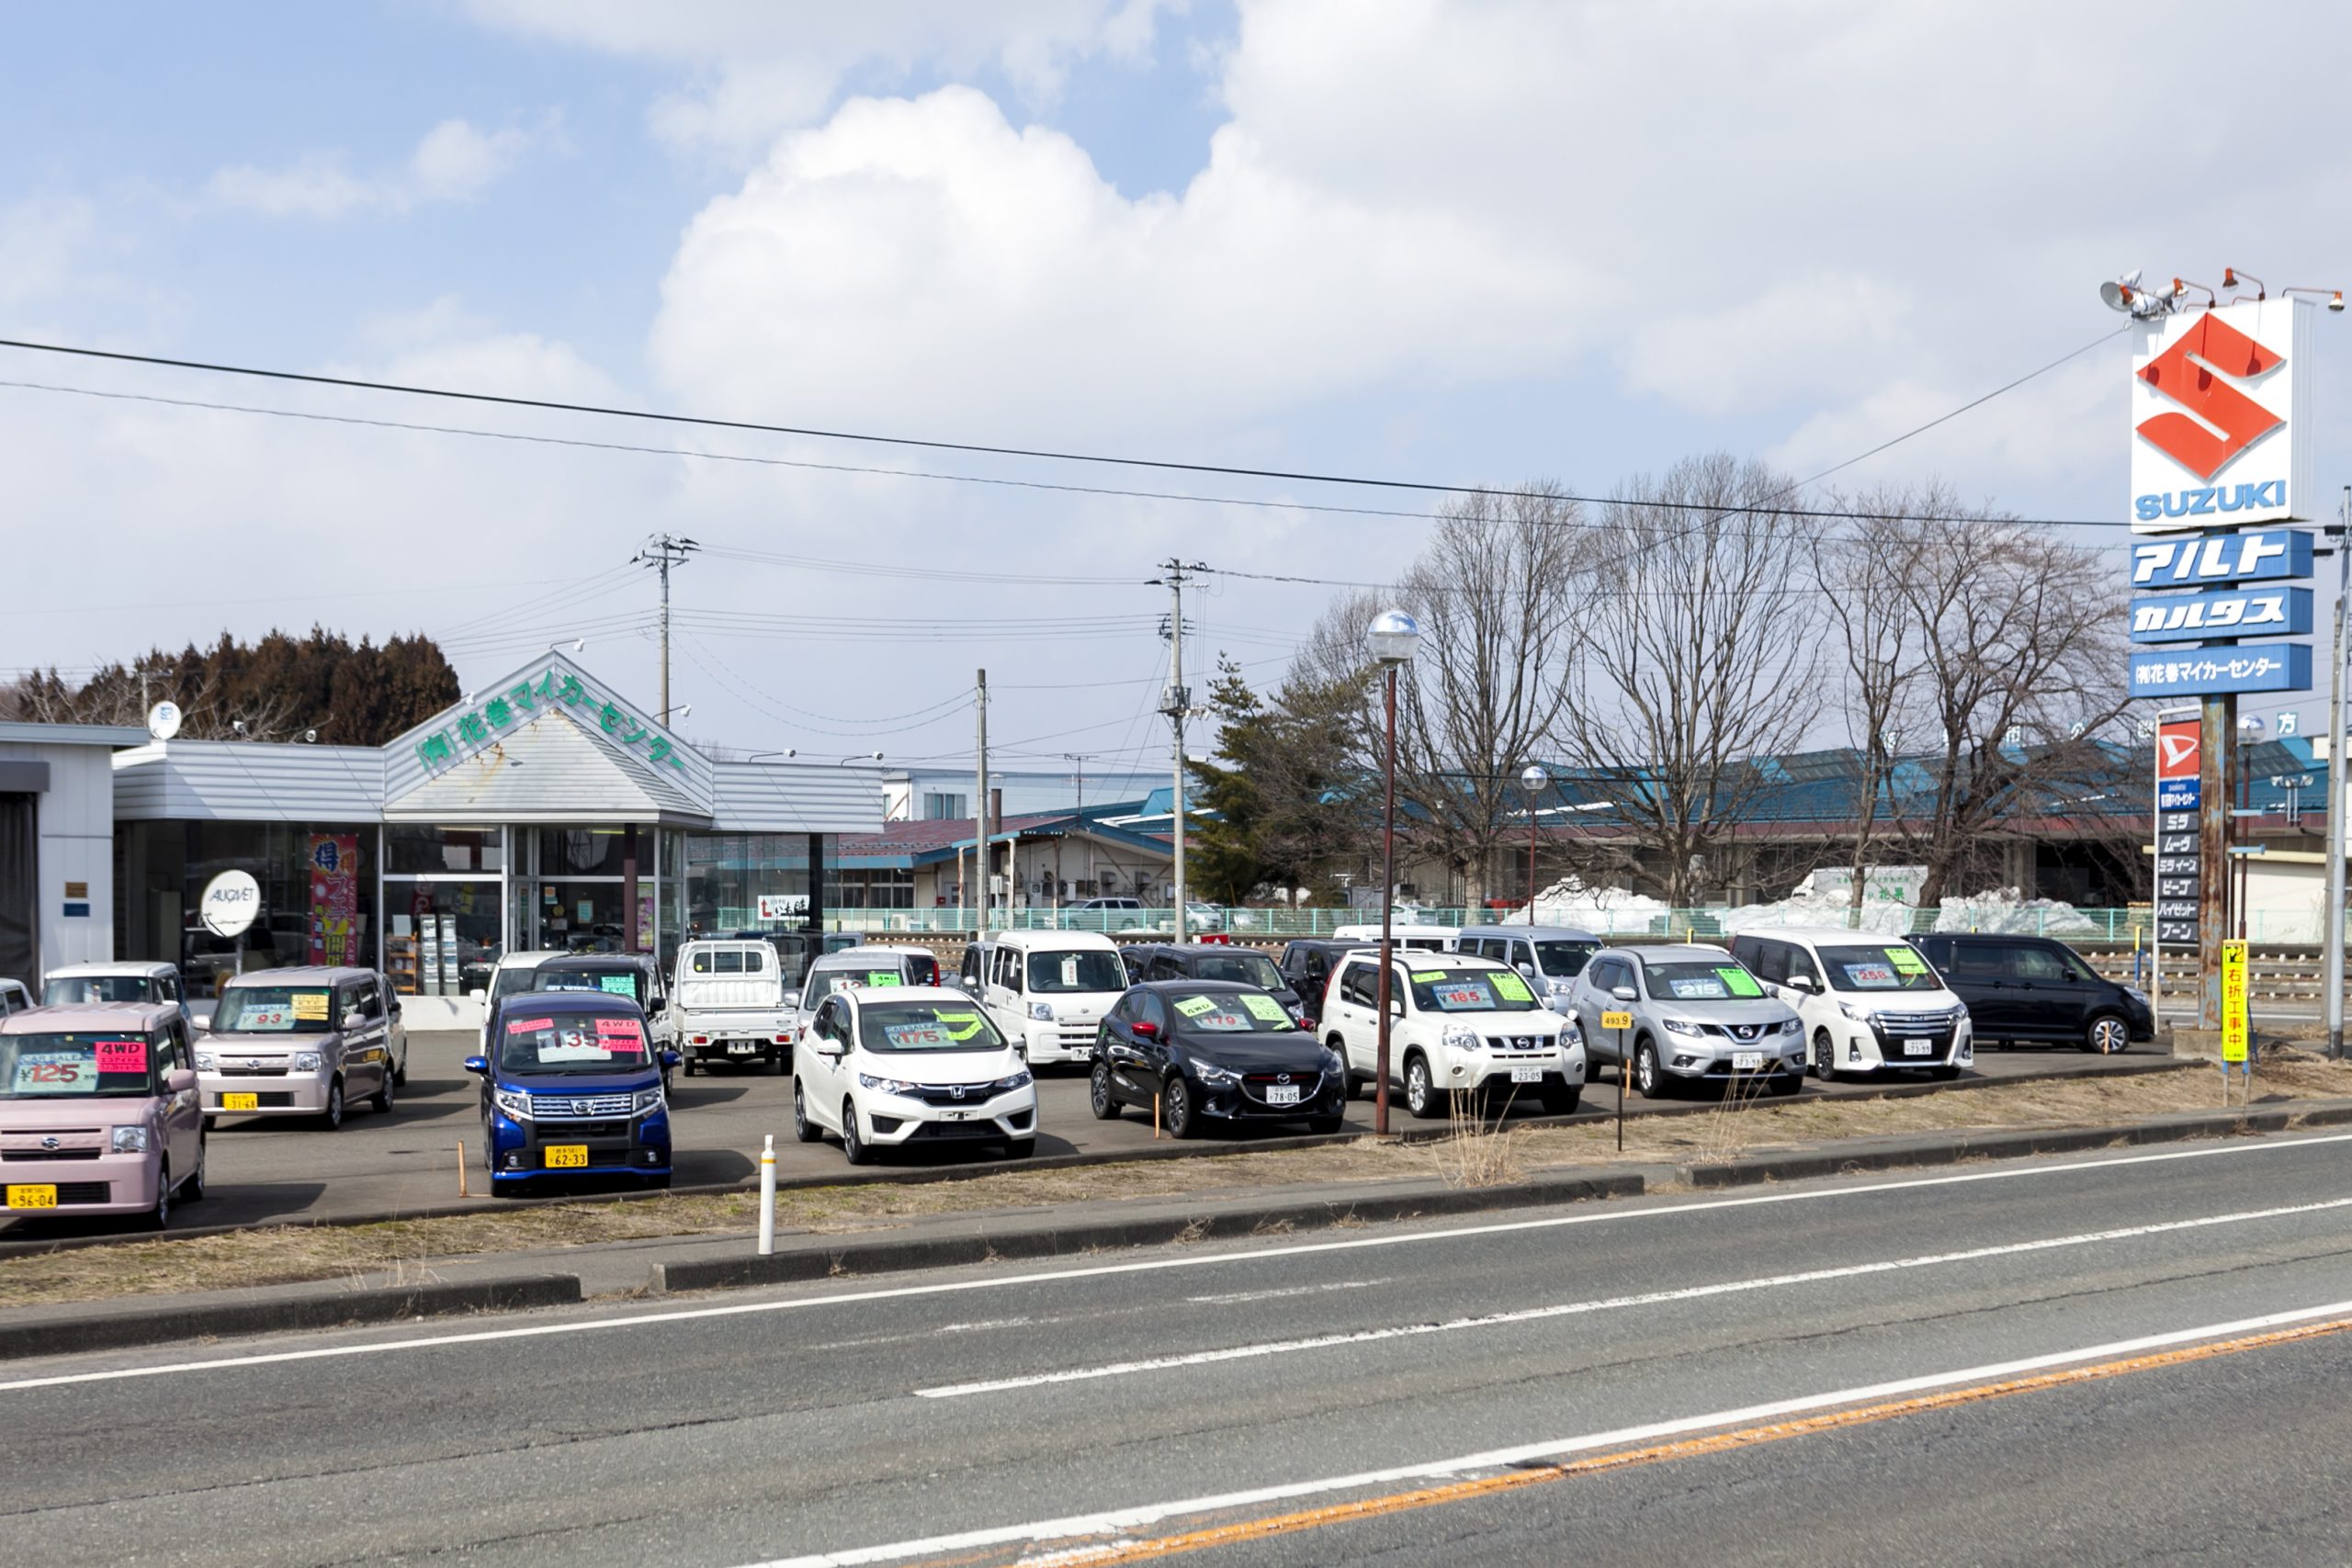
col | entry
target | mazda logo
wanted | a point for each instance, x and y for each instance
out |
(1282, 1077)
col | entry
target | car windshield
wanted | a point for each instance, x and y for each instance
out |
(1701, 982)
(1249, 968)
(894, 1028)
(272, 1010)
(629, 983)
(53, 1067)
(1897, 966)
(74, 990)
(827, 979)
(1083, 971)
(1229, 1012)
(572, 1042)
(1564, 960)
(1469, 990)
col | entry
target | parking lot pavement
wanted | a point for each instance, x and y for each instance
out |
(263, 1171)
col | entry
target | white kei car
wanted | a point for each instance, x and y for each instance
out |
(908, 1064)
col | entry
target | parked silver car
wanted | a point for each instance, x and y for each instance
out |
(1699, 1016)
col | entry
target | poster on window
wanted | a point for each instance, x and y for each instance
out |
(334, 897)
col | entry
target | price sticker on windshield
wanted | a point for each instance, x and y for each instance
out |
(959, 1025)
(1192, 1007)
(1739, 982)
(1511, 989)
(310, 1006)
(1616, 1021)
(122, 1056)
(1907, 960)
(1265, 1008)
(878, 978)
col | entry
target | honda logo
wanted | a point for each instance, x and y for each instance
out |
(957, 1091)
(2227, 421)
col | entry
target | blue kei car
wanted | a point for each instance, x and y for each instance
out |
(572, 1088)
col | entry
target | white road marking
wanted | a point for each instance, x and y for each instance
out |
(1233, 1298)
(1610, 1303)
(1112, 1522)
(1597, 1215)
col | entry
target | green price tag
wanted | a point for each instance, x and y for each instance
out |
(875, 979)
(1739, 982)
(959, 1025)
(619, 985)
(1511, 989)
(1265, 1008)
(1423, 976)
(1192, 1007)
(1907, 960)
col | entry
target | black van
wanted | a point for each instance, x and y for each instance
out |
(2035, 989)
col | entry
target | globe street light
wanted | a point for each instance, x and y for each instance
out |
(1394, 638)
(1533, 779)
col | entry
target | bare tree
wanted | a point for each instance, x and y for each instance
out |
(1698, 635)
(1493, 592)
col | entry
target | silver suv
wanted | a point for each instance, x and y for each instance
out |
(1699, 1016)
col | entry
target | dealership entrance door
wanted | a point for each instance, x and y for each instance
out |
(19, 888)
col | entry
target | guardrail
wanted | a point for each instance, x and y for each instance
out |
(1717, 920)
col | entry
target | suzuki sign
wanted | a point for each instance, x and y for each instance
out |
(2217, 396)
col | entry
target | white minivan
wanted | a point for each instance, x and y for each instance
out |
(1049, 990)
(1871, 1004)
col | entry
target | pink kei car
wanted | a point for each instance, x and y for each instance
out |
(98, 1111)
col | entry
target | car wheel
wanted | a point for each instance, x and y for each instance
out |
(382, 1098)
(1347, 1081)
(693, 1067)
(807, 1132)
(210, 1122)
(776, 1064)
(193, 1190)
(1421, 1087)
(1099, 1098)
(853, 1145)
(400, 1074)
(331, 1117)
(1019, 1149)
(1648, 1076)
(1176, 1112)
(1825, 1057)
(160, 1215)
(2108, 1035)
(1561, 1099)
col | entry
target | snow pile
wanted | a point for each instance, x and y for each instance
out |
(1803, 909)
(1607, 910)
(2007, 910)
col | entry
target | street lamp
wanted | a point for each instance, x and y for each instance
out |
(1394, 638)
(1532, 779)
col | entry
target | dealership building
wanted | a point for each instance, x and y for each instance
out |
(544, 810)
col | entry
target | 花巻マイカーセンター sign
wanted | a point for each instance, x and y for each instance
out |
(557, 688)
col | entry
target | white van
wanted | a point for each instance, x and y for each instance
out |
(1050, 989)
(1870, 1003)
(727, 1004)
(1432, 939)
(873, 966)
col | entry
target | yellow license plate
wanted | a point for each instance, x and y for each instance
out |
(241, 1102)
(567, 1156)
(41, 1196)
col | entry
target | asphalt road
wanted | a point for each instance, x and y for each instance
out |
(1399, 1394)
(265, 1170)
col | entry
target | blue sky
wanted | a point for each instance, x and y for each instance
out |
(1478, 243)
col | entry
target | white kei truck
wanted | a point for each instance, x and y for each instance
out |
(728, 1004)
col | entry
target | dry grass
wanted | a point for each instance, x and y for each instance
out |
(1477, 1150)
(409, 1249)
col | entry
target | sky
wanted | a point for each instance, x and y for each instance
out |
(1478, 243)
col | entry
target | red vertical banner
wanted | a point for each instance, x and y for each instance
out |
(334, 897)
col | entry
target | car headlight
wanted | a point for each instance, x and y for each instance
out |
(1042, 1012)
(2136, 994)
(513, 1102)
(1573, 1033)
(131, 1140)
(1210, 1073)
(204, 1062)
(1860, 1015)
(1459, 1037)
(1019, 1080)
(1792, 1026)
(306, 1061)
(1683, 1026)
(646, 1100)
(885, 1086)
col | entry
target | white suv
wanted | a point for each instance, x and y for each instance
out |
(1871, 1004)
(1458, 1022)
(910, 1064)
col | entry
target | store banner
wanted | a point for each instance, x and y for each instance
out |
(335, 898)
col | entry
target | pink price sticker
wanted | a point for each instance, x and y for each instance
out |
(529, 1025)
(122, 1056)
(628, 1026)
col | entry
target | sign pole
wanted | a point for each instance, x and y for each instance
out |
(2217, 740)
(1620, 1021)
(2332, 938)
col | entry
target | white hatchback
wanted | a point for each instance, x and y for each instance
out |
(908, 1064)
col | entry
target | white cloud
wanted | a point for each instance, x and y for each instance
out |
(43, 242)
(454, 162)
(760, 67)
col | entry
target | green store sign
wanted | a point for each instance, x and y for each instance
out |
(558, 688)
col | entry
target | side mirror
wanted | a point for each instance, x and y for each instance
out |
(1527, 971)
(670, 1059)
(1625, 994)
(478, 1066)
(1144, 1028)
(1801, 983)
(478, 995)
(352, 1020)
(179, 1080)
(792, 998)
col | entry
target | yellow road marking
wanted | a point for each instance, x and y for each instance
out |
(1659, 1453)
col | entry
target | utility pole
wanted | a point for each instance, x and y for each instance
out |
(980, 801)
(661, 552)
(1178, 707)
(2332, 941)
(1080, 757)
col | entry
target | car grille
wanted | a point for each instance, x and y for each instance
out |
(47, 1153)
(1073, 1035)
(1519, 1044)
(277, 1069)
(569, 1132)
(957, 1094)
(579, 1107)
(1916, 1022)
(950, 1132)
(85, 1192)
(1309, 1087)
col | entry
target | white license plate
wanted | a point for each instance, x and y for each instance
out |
(740, 1047)
(1282, 1094)
(1527, 1075)
(1918, 1047)
(1746, 1061)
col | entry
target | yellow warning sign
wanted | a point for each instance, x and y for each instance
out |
(2234, 1001)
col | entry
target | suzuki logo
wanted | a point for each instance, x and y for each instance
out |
(2218, 405)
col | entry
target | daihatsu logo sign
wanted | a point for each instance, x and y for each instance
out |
(2177, 747)
(2215, 398)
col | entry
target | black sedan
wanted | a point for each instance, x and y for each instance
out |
(1202, 1048)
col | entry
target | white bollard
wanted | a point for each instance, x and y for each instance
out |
(767, 1197)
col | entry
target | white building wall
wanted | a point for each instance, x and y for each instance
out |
(76, 820)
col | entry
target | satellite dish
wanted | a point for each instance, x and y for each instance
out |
(163, 720)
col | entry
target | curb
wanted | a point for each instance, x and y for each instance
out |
(79, 1327)
(821, 1259)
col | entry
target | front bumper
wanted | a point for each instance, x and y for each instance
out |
(895, 1119)
(1476, 1069)
(619, 1146)
(1250, 1099)
(1712, 1058)
(1059, 1041)
(1868, 1048)
(111, 1184)
(275, 1094)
